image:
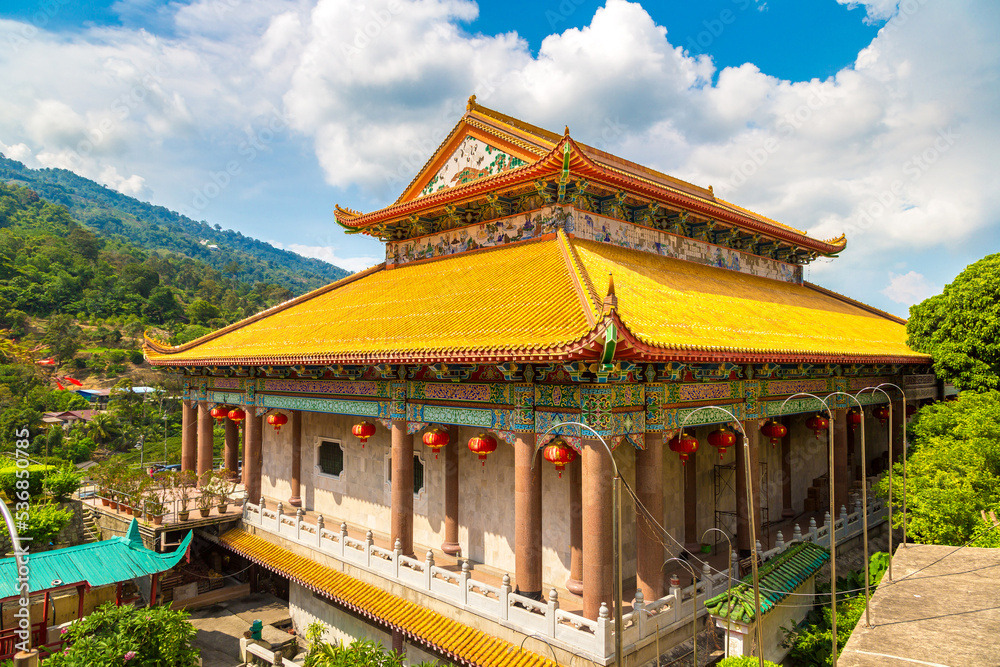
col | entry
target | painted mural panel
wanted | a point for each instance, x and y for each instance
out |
(332, 387)
(472, 160)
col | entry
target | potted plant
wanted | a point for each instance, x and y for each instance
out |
(154, 507)
(182, 481)
(207, 488)
(223, 487)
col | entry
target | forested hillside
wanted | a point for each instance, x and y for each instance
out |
(155, 228)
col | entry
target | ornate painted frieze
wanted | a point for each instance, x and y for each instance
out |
(368, 388)
(928, 379)
(397, 401)
(645, 239)
(478, 417)
(225, 383)
(472, 160)
(557, 395)
(496, 393)
(376, 409)
(228, 398)
(655, 395)
(859, 383)
(673, 418)
(788, 387)
(687, 393)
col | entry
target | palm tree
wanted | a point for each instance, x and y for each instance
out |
(104, 428)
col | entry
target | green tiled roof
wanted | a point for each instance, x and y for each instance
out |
(96, 564)
(778, 577)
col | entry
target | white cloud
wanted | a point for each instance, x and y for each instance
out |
(329, 254)
(897, 150)
(908, 288)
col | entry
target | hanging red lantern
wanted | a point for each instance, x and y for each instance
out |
(775, 431)
(237, 415)
(721, 439)
(684, 445)
(219, 413)
(818, 424)
(882, 413)
(363, 431)
(277, 420)
(483, 444)
(559, 453)
(854, 418)
(435, 439)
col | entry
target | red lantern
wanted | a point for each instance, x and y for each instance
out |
(483, 444)
(363, 431)
(559, 453)
(277, 420)
(818, 424)
(720, 439)
(435, 439)
(854, 418)
(219, 413)
(683, 445)
(882, 413)
(775, 431)
(237, 415)
(910, 410)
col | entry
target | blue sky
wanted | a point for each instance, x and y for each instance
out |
(829, 115)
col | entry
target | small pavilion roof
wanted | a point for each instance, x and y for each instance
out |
(544, 300)
(96, 564)
(778, 578)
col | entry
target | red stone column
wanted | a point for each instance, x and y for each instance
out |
(402, 487)
(597, 538)
(787, 508)
(206, 437)
(527, 517)
(254, 460)
(189, 437)
(691, 536)
(649, 489)
(450, 545)
(841, 481)
(295, 426)
(574, 474)
(744, 538)
(231, 453)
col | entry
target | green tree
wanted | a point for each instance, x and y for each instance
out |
(953, 469)
(201, 312)
(125, 636)
(960, 327)
(104, 428)
(62, 335)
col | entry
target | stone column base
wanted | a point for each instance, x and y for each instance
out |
(574, 586)
(295, 501)
(451, 548)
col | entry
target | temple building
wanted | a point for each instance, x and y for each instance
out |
(539, 298)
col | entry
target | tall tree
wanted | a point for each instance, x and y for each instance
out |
(960, 327)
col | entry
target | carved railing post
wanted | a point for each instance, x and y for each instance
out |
(550, 613)
(463, 583)
(505, 597)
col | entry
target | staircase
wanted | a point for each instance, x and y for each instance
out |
(91, 532)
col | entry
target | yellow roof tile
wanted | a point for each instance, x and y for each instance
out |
(470, 646)
(516, 297)
(673, 304)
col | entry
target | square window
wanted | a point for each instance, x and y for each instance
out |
(418, 473)
(331, 458)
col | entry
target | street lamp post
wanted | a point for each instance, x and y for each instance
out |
(616, 528)
(750, 512)
(833, 522)
(729, 569)
(694, 606)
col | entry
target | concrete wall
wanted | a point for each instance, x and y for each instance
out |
(341, 626)
(361, 496)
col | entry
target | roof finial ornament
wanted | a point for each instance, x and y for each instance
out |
(711, 190)
(471, 103)
(566, 131)
(611, 300)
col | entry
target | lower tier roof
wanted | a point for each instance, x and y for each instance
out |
(545, 299)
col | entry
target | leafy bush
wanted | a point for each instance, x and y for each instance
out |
(34, 480)
(61, 483)
(359, 653)
(744, 661)
(135, 356)
(128, 637)
(116, 356)
(45, 520)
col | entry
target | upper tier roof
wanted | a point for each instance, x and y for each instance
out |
(545, 299)
(527, 153)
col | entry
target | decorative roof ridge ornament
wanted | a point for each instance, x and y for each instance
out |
(611, 299)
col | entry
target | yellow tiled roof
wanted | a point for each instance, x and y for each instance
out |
(674, 304)
(457, 640)
(514, 298)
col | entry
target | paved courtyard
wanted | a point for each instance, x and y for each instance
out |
(221, 626)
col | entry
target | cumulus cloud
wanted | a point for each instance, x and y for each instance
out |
(329, 254)
(908, 288)
(896, 150)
